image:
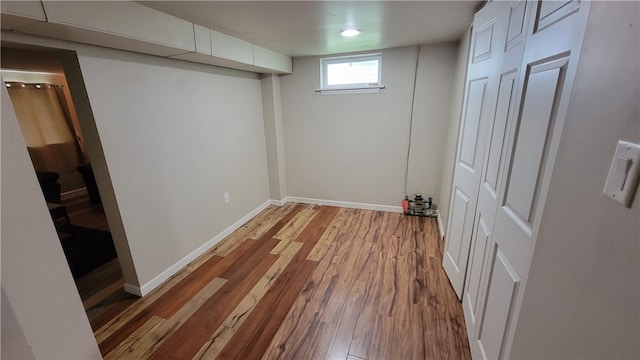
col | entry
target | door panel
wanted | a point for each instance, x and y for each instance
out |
(540, 70)
(553, 11)
(482, 45)
(506, 95)
(516, 28)
(461, 204)
(487, 40)
(529, 166)
(523, 60)
(488, 196)
(534, 128)
(503, 287)
(469, 145)
(476, 265)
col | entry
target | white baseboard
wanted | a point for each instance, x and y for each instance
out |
(163, 276)
(73, 193)
(173, 269)
(278, 202)
(133, 289)
(345, 204)
(440, 226)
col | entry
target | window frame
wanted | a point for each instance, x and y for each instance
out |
(353, 87)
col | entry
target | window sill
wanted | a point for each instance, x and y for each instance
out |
(355, 90)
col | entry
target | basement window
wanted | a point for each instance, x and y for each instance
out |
(351, 74)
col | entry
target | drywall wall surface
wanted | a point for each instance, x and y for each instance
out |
(14, 343)
(451, 143)
(431, 118)
(69, 61)
(175, 137)
(274, 136)
(36, 279)
(583, 293)
(353, 147)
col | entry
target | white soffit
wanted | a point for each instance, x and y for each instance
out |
(304, 28)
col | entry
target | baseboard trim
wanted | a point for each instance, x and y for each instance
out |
(73, 193)
(278, 202)
(173, 269)
(440, 226)
(345, 204)
(132, 289)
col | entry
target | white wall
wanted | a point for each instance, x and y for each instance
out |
(354, 147)
(583, 293)
(454, 127)
(432, 109)
(14, 343)
(175, 137)
(274, 135)
(36, 281)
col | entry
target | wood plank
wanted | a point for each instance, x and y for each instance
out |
(114, 305)
(354, 262)
(187, 340)
(146, 339)
(136, 308)
(212, 348)
(167, 304)
(101, 294)
(381, 339)
(291, 231)
(313, 232)
(339, 348)
(254, 336)
(363, 331)
(324, 243)
(277, 216)
(91, 286)
(144, 328)
(318, 343)
(252, 229)
(316, 294)
(346, 284)
(182, 292)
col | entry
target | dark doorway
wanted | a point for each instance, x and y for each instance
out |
(43, 104)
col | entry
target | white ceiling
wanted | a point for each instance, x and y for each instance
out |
(303, 28)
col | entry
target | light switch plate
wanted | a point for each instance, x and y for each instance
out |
(622, 181)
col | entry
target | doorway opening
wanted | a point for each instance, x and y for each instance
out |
(40, 95)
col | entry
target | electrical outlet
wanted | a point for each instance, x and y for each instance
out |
(226, 197)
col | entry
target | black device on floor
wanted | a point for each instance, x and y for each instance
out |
(418, 206)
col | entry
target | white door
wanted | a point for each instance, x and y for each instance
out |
(552, 44)
(515, 16)
(481, 87)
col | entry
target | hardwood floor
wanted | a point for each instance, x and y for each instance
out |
(101, 290)
(302, 282)
(83, 213)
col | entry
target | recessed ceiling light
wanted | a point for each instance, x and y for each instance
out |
(350, 32)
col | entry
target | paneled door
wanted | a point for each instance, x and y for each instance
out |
(515, 14)
(481, 87)
(503, 250)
